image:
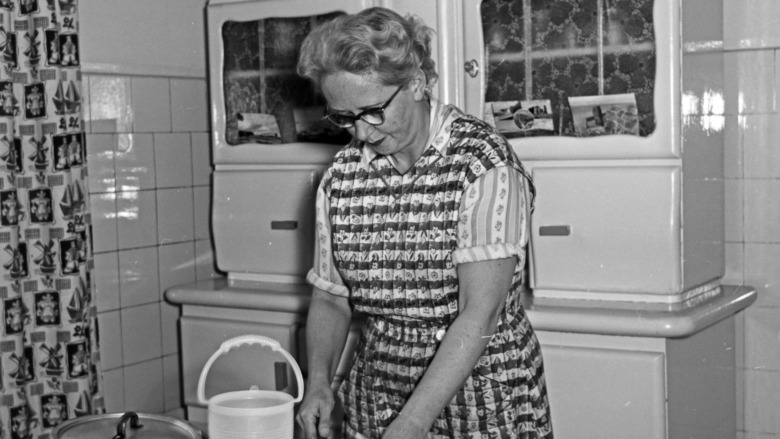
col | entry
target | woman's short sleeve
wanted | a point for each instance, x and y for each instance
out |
(493, 217)
(323, 274)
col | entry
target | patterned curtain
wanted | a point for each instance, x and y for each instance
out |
(48, 352)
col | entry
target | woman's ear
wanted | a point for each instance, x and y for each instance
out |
(420, 84)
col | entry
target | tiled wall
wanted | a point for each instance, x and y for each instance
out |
(149, 185)
(752, 38)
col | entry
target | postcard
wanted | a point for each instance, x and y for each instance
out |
(520, 118)
(607, 114)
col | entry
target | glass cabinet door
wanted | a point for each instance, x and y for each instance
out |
(575, 79)
(262, 112)
(265, 99)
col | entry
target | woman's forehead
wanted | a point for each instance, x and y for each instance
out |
(348, 91)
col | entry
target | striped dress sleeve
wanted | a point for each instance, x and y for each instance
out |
(493, 217)
(324, 275)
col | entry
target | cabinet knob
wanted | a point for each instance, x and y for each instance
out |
(472, 68)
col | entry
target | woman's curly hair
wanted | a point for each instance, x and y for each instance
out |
(375, 42)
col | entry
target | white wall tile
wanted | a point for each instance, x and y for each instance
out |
(734, 210)
(169, 322)
(151, 104)
(202, 195)
(172, 382)
(735, 264)
(101, 149)
(114, 390)
(201, 159)
(106, 281)
(739, 338)
(762, 339)
(751, 23)
(189, 103)
(134, 162)
(146, 36)
(761, 272)
(732, 146)
(777, 83)
(143, 387)
(173, 159)
(760, 145)
(756, 435)
(703, 83)
(177, 413)
(177, 265)
(749, 88)
(85, 103)
(110, 324)
(141, 337)
(105, 235)
(110, 104)
(762, 401)
(139, 274)
(136, 219)
(762, 211)
(204, 255)
(175, 222)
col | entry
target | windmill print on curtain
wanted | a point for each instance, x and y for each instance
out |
(48, 350)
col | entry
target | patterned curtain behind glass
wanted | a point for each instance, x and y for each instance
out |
(48, 352)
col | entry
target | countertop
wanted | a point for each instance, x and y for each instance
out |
(546, 314)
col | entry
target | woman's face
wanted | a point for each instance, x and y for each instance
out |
(405, 129)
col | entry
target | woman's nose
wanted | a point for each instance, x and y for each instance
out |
(362, 130)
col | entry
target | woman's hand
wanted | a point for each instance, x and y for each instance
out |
(315, 411)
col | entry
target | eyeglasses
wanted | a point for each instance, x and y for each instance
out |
(372, 116)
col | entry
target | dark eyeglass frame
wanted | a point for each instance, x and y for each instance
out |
(343, 120)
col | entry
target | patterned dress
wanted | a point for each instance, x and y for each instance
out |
(391, 242)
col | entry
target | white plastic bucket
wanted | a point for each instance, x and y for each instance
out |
(250, 414)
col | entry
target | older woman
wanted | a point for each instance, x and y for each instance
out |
(421, 226)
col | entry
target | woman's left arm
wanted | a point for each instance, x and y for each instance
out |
(483, 290)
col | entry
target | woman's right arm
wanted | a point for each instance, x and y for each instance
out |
(327, 327)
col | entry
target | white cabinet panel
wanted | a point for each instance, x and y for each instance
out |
(607, 229)
(239, 368)
(596, 393)
(264, 221)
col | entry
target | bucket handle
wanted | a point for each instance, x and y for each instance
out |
(242, 340)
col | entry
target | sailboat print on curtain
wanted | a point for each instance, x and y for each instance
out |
(66, 102)
(49, 358)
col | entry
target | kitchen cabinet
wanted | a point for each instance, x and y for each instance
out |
(637, 217)
(594, 193)
(642, 387)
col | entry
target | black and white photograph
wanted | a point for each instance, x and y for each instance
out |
(606, 114)
(521, 118)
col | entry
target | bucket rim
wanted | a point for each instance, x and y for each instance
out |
(285, 400)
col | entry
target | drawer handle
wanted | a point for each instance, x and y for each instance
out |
(554, 230)
(284, 225)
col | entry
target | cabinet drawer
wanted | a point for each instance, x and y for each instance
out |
(264, 220)
(607, 229)
(597, 393)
